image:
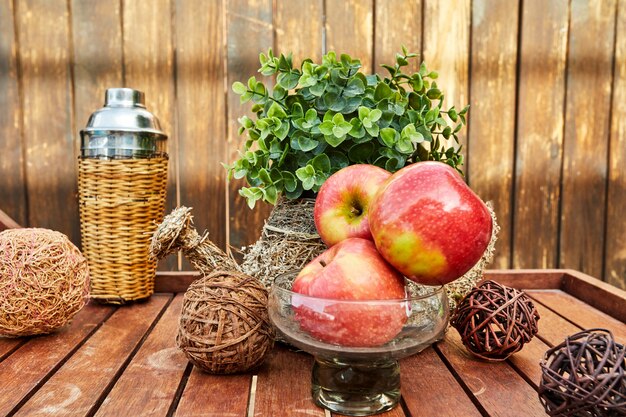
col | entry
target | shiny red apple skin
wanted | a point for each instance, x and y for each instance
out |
(429, 224)
(351, 270)
(342, 204)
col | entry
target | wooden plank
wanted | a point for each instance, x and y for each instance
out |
(34, 362)
(586, 141)
(552, 327)
(76, 388)
(495, 385)
(154, 373)
(446, 50)
(604, 297)
(527, 278)
(7, 222)
(294, 18)
(12, 187)
(97, 46)
(214, 395)
(49, 139)
(539, 133)
(9, 345)
(284, 372)
(249, 32)
(615, 253)
(526, 361)
(419, 374)
(350, 30)
(174, 281)
(493, 86)
(580, 313)
(149, 67)
(397, 23)
(201, 113)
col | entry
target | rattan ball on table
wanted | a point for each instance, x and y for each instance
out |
(44, 281)
(224, 326)
(584, 376)
(495, 321)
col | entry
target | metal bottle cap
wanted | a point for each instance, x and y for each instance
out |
(122, 128)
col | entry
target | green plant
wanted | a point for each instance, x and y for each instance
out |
(320, 118)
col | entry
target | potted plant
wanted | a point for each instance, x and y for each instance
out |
(322, 117)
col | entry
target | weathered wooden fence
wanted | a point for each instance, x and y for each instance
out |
(546, 80)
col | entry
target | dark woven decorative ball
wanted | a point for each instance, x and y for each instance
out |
(495, 321)
(224, 326)
(584, 376)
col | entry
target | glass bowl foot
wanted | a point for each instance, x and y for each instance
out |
(356, 388)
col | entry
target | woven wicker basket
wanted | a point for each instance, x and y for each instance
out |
(121, 203)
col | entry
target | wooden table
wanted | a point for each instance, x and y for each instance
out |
(122, 361)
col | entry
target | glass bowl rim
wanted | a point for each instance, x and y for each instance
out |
(435, 290)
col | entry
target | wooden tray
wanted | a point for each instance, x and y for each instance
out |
(121, 361)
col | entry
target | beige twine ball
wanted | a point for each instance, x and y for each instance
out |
(224, 326)
(44, 281)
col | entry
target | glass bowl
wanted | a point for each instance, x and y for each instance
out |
(357, 344)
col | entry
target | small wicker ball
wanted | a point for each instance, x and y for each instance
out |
(584, 376)
(495, 321)
(44, 281)
(224, 326)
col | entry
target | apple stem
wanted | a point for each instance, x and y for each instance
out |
(323, 264)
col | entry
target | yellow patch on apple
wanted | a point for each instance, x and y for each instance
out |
(424, 261)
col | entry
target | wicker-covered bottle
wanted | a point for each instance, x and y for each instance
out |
(122, 177)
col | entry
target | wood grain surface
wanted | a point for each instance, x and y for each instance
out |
(75, 389)
(615, 241)
(492, 132)
(586, 139)
(350, 29)
(545, 80)
(250, 31)
(539, 133)
(48, 126)
(13, 190)
(201, 111)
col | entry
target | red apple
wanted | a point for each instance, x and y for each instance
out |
(429, 224)
(351, 270)
(342, 204)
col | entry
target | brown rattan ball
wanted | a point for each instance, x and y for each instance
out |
(44, 281)
(495, 321)
(224, 326)
(584, 376)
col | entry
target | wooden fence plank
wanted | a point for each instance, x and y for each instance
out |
(576, 311)
(397, 23)
(201, 113)
(149, 67)
(154, 373)
(418, 374)
(350, 30)
(586, 141)
(76, 387)
(283, 372)
(299, 27)
(492, 132)
(249, 32)
(44, 54)
(615, 254)
(12, 189)
(97, 37)
(40, 356)
(539, 133)
(214, 395)
(494, 384)
(446, 50)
